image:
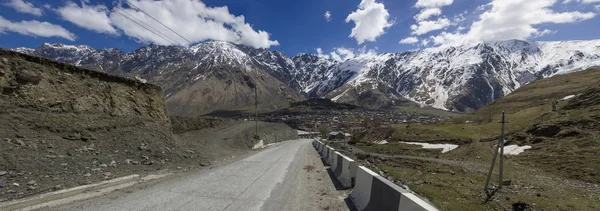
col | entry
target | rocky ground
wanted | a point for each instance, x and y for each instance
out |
(63, 126)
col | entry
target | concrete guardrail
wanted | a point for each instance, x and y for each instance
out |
(344, 170)
(330, 156)
(372, 192)
(320, 147)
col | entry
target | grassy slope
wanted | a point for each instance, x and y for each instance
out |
(562, 164)
(523, 107)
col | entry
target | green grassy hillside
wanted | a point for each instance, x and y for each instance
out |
(564, 158)
(525, 106)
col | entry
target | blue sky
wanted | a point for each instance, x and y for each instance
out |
(295, 26)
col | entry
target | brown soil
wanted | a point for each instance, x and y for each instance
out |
(63, 126)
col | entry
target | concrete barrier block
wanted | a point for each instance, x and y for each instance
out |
(330, 155)
(375, 193)
(344, 170)
(361, 194)
(320, 148)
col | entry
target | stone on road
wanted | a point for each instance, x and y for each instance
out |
(287, 176)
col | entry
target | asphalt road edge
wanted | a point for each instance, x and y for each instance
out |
(74, 194)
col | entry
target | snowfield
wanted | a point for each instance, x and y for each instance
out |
(445, 147)
(515, 149)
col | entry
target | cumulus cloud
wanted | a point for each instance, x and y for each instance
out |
(193, 20)
(427, 13)
(581, 1)
(35, 28)
(336, 56)
(24, 7)
(429, 9)
(409, 40)
(432, 3)
(342, 54)
(93, 18)
(327, 16)
(345, 53)
(321, 54)
(424, 27)
(544, 33)
(370, 19)
(515, 19)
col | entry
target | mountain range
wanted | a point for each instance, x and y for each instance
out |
(217, 75)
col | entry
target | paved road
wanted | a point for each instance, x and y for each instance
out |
(287, 176)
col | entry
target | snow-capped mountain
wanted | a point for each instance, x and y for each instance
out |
(467, 77)
(460, 78)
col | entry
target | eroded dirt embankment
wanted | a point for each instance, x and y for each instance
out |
(63, 126)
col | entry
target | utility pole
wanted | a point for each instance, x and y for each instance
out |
(499, 147)
(502, 152)
(256, 111)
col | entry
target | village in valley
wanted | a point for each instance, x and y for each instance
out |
(348, 121)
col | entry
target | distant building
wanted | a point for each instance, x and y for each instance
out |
(305, 134)
(336, 135)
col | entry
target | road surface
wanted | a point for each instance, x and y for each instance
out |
(287, 176)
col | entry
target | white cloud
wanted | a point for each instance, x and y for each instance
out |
(481, 8)
(427, 13)
(24, 7)
(335, 56)
(424, 42)
(93, 18)
(193, 20)
(581, 1)
(341, 54)
(345, 53)
(425, 27)
(431, 8)
(433, 3)
(370, 19)
(544, 33)
(327, 16)
(598, 7)
(321, 54)
(515, 19)
(35, 28)
(409, 40)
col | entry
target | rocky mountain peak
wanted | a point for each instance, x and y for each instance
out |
(460, 78)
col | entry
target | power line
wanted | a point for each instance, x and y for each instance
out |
(164, 36)
(166, 39)
(130, 4)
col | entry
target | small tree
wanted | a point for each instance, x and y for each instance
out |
(324, 130)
